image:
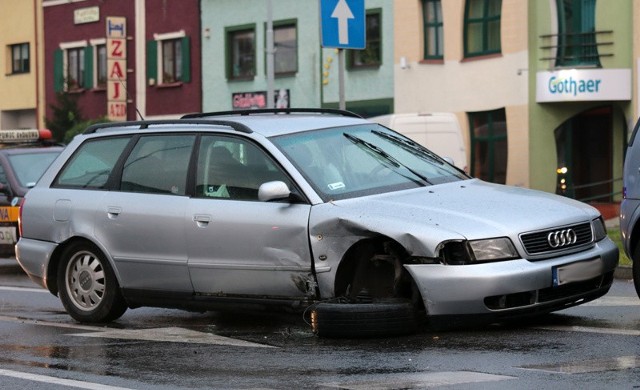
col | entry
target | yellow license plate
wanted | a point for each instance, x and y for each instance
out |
(9, 214)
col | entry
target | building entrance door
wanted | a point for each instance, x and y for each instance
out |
(584, 145)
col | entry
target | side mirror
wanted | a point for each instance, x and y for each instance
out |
(449, 160)
(273, 190)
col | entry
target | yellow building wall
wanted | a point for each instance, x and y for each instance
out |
(17, 92)
(462, 85)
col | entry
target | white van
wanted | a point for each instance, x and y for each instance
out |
(440, 132)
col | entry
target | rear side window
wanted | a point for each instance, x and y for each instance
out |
(158, 164)
(92, 163)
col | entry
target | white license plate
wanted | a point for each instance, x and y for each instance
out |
(7, 235)
(576, 272)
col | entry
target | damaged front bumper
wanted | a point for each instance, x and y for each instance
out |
(517, 287)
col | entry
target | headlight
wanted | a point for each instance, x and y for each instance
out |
(469, 252)
(493, 249)
(599, 229)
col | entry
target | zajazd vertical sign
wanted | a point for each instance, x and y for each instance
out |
(116, 68)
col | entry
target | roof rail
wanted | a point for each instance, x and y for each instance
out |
(145, 124)
(274, 111)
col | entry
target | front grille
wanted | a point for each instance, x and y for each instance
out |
(538, 242)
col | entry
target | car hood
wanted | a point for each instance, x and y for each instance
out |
(470, 209)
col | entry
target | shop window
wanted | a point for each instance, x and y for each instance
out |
(241, 53)
(489, 145)
(577, 36)
(482, 27)
(19, 58)
(169, 59)
(371, 55)
(285, 42)
(433, 32)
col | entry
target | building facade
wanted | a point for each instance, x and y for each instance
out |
(234, 57)
(543, 88)
(124, 60)
(22, 99)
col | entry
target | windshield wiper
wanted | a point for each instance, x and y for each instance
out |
(386, 156)
(410, 146)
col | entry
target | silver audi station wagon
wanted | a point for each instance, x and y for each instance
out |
(319, 211)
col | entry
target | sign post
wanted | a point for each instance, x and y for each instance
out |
(343, 27)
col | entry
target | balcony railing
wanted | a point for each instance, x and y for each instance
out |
(576, 49)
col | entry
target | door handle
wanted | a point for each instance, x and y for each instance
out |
(113, 212)
(202, 220)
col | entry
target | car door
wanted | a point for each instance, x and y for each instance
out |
(237, 244)
(142, 224)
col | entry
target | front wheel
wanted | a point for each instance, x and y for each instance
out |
(88, 287)
(364, 320)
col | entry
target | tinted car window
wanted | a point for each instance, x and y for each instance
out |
(92, 163)
(158, 164)
(29, 167)
(234, 169)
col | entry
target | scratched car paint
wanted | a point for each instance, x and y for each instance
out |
(294, 208)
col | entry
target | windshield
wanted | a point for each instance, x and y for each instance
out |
(29, 167)
(347, 162)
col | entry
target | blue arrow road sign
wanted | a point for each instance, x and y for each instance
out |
(343, 24)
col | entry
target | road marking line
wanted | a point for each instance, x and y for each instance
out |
(418, 380)
(588, 329)
(171, 334)
(596, 365)
(58, 381)
(614, 301)
(24, 289)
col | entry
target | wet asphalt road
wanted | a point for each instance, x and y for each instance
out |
(590, 346)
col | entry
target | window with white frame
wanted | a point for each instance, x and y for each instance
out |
(168, 59)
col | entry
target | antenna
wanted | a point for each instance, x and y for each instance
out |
(126, 92)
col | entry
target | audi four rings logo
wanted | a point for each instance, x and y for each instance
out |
(561, 238)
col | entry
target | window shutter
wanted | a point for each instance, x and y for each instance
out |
(186, 60)
(58, 75)
(152, 61)
(88, 67)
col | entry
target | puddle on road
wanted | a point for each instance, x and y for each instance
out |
(597, 365)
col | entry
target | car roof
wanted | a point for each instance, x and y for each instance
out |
(267, 122)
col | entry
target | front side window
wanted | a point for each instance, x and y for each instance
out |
(241, 54)
(371, 55)
(158, 164)
(171, 61)
(482, 27)
(576, 38)
(433, 32)
(489, 145)
(233, 168)
(92, 163)
(285, 41)
(20, 58)
(353, 161)
(75, 68)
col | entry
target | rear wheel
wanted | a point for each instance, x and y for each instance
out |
(88, 287)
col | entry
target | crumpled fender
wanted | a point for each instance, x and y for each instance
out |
(334, 229)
